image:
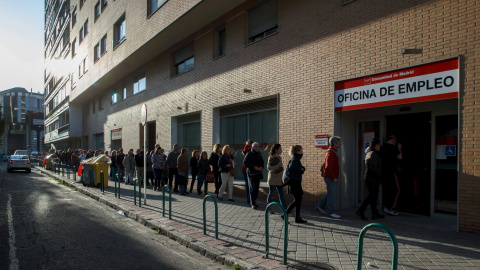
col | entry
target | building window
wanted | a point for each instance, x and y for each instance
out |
(81, 3)
(93, 106)
(104, 4)
(347, 1)
(100, 103)
(74, 16)
(103, 45)
(80, 35)
(183, 60)
(114, 97)
(96, 11)
(119, 31)
(139, 83)
(153, 5)
(124, 92)
(74, 43)
(83, 67)
(220, 40)
(85, 28)
(262, 20)
(96, 52)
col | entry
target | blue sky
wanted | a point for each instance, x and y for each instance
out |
(21, 44)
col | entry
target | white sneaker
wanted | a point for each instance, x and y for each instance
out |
(335, 216)
(321, 211)
(390, 212)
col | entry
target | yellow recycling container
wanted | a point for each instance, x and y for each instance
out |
(48, 161)
(96, 164)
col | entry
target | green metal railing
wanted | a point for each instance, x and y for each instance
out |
(205, 216)
(117, 179)
(285, 235)
(139, 192)
(392, 238)
(102, 182)
(169, 201)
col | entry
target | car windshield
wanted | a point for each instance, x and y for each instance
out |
(18, 157)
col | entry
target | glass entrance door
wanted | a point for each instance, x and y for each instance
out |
(366, 130)
(446, 168)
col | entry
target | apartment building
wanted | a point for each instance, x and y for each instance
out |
(293, 72)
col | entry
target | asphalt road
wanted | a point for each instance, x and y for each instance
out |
(45, 225)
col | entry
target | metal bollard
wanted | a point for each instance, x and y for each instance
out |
(68, 172)
(102, 184)
(285, 236)
(139, 193)
(63, 170)
(115, 180)
(392, 238)
(135, 192)
(118, 179)
(169, 201)
(205, 216)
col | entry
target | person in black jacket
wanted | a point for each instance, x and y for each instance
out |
(213, 162)
(193, 165)
(373, 179)
(295, 172)
(255, 164)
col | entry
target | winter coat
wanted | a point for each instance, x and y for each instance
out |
(203, 166)
(172, 159)
(275, 171)
(331, 169)
(373, 168)
(182, 163)
(223, 161)
(213, 161)
(126, 163)
(295, 169)
(253, 159)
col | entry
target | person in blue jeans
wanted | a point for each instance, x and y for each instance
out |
(275, 175)
(330, 175)
(246, 149)
(203, 168)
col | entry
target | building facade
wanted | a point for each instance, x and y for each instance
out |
(23, 114)
(287, 71)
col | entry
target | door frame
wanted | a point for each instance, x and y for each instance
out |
(433, 160)
(382, 120)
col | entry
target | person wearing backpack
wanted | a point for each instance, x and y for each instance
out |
(275, 173)
(330, 173)
(295, 172)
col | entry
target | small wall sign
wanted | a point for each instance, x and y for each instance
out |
(321, 141)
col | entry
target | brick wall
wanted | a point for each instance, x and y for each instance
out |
(317, 43)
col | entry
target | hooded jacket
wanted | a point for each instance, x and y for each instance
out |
(373, 168)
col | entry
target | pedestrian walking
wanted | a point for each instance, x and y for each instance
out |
(129, 165)
(255, 164)
(226, 166)
(172, 167)
(246, 149)
(275, 175)
(330, 172)
(139, 166)
(391, 155)
(120, 167)
(295, 171)
(158, 166)
(113, 165)
(213, 161)
(193, 165)
(203, 168)
(373, 179)
(182, 163)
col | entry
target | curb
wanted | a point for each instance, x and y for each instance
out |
(207, 246)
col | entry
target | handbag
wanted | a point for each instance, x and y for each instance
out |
(232, 171)
(210, 177)
(286, 176)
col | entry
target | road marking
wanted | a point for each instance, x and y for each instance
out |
(11, 240)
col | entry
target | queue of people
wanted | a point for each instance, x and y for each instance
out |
(381, 164)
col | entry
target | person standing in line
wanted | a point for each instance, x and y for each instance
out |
(331, 171)
(213, 161)
(83, 156)
(182, 164)
(225, 165)
(120, 167)
(75, 160)
(295, 172)
(203, 168)
(391, 155)
(139, 166)
(157, 165)
(275, 175)
(193, 165)
(129, 165)
(113, 165)
(149, 177)
(373, 179)
(246, 149)
(255, 164)
(172, 167)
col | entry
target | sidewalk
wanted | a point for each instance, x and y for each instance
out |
(423, 242)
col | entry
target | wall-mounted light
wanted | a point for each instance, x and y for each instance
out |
(245, 90)
(179, 108)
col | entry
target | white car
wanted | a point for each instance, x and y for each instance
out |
(21, 152)
(19, 162)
